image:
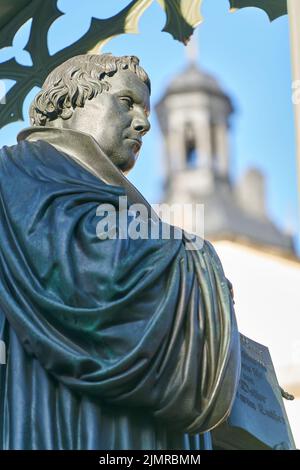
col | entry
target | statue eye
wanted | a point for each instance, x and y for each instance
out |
(127, 101)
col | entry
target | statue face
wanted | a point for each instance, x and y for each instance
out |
(117, 119)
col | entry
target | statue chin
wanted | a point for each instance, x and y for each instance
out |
(125, 164)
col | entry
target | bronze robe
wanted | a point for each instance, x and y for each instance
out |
(111, 344)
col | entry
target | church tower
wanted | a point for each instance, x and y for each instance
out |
(194, 115)
(194, 118)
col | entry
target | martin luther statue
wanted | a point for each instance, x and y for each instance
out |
(116, 343)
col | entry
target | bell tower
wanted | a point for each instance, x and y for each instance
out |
(194, 117)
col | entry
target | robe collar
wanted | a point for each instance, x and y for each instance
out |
(84, 149)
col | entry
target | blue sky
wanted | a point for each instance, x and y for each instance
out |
(250, 57)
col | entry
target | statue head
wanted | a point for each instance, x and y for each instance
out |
(101, 95)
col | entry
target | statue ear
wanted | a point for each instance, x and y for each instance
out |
(66, 113)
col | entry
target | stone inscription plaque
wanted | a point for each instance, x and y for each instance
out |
(258, 418)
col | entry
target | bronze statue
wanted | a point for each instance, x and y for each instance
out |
(113, 343)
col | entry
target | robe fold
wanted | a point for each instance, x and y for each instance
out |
(111, 344)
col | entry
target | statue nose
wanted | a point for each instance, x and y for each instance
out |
(141, 124)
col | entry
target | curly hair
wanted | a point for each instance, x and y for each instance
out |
(76, 80)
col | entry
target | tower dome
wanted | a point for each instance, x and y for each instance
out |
(192, 79)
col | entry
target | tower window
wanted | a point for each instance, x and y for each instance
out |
(191, 154)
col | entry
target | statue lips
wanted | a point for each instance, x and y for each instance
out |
(136, 140)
